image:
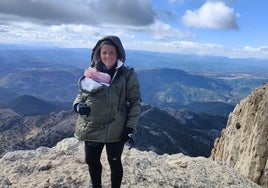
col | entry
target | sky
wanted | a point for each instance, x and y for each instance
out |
(229, 28)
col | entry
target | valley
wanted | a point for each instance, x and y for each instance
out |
(186, 99)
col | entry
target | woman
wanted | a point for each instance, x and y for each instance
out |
(109, 113)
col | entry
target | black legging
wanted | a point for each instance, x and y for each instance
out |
(92, 155)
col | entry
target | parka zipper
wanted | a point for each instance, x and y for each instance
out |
(108, 111)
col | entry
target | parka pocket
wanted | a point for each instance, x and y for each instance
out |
(87, 130)
(104, 106)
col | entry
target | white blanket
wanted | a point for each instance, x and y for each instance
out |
(89, 84)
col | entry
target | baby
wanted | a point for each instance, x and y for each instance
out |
(97, 75)
(94, 79)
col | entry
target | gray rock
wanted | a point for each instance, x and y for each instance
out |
(64, 166)
(243, 145)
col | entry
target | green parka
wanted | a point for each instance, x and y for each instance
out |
(112, 107)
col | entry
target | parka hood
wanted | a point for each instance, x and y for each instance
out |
(95, 56)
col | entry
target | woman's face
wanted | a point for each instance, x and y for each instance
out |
(108, 55)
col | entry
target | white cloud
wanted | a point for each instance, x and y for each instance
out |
(90, 12)
(212, 15)
(72, 28)
(168, 39)
(162, 31)
(202, 49)
(247, 51)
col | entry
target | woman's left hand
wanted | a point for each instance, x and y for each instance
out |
(126, 134)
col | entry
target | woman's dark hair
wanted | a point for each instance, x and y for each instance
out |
(110, 40)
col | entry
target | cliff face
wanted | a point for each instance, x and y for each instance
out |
(64, 166)
(243, 145)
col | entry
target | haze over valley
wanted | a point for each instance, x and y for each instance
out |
(194, 94)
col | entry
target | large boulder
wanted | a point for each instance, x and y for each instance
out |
(243, 145)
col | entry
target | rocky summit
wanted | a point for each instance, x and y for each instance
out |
(243, 144)
(64, 166)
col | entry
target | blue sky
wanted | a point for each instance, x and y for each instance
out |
(231, 28)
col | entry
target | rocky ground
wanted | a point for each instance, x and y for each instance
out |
(64, 166)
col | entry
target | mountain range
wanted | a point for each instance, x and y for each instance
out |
(238, 159)
(51, 74)
(186, 99)
(159, 130)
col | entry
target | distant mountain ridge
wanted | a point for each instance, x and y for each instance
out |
(159, 87)
(171, 131)
(50, 84)
(29, 105)
(167, 124)
(161, 131)
(24, 68)
(212, 108)
(165, 86)
(79, 57)
(52, 74)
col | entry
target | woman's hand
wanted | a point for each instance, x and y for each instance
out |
(126, 134)
(82, 109)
